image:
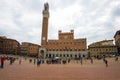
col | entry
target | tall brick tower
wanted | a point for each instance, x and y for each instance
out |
(45, 13)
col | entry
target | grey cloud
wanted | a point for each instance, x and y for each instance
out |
(117, 11)
(35, 5)
(89, 18)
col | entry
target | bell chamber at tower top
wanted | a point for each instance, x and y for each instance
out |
(46, 10)
(46, 6)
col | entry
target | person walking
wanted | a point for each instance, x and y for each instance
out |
(116, 58)
(81, 60)
(34, 61)
(11, 60)
(106, 62)
(20, 61)
(30, 60)
(38, 62)
(91, 60)
(2, 62)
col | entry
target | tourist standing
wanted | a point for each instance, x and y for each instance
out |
(2, 62)
(68, 60)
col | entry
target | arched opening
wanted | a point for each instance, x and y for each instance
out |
(49, 55)
(79, 56)
(42, 52)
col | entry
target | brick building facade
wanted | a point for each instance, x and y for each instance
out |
(9, 46)
(102, 48)
(29, 49)
(117, 40)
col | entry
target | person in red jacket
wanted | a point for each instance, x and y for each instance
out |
(2, 62)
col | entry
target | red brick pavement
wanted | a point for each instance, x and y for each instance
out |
(72, 71)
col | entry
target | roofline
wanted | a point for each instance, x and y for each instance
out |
(116, 33)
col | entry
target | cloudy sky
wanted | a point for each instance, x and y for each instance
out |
(95, 20)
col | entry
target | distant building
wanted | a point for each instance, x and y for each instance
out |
(1, 45)
(117, 40)
(9, 46)
(29, 49)
(65, 46)
(102, 48)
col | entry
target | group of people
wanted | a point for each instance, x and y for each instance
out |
(81, 60)
(38, 61)
(13, 59)
(35, 61)
(104, 60)
(3, 58)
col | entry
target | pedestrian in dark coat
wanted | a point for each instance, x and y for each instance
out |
(116, 58)
(106, 62)
(91, 60)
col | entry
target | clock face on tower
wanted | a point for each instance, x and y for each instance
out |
(43, 38)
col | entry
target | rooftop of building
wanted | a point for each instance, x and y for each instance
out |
(28, 43)
(5, 38)
(102, 43)
(117, 33)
